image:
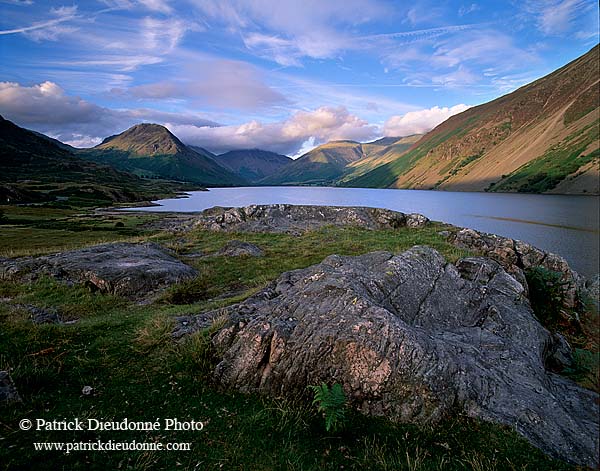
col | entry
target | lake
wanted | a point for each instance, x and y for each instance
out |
(566, 225)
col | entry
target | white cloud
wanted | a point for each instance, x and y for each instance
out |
(556, 17)
(161, 6)
(287, 137)
(458, 60)
(286, 31)
(460, 77)
(307, 146)
(282, 51)
(466, 9)
(422, 12)
(79, 140)
(163, 35)
(131, 43)
(418, 122)
(481, 47)
(220, 83)
(62, 14)
(47, 108)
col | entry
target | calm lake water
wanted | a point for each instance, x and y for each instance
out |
(567, 225)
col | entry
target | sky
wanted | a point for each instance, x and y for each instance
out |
(281, 75)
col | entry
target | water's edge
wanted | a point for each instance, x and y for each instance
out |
(565, 225)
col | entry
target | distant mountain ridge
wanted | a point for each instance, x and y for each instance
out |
(321, 166)
(540, 138)
(378, 153)
(152, 150)
(331, 162)
(252, 164)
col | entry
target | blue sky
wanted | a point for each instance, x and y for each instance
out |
(282, 75)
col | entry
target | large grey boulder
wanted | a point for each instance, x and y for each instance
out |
(119, 268)
(412, 338)
(295, 219)
(516, 256)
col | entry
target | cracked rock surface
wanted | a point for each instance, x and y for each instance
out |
(410, 337)
(516, 256)
(295, 219)
(119, 268)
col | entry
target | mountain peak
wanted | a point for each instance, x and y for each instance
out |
(148, 128)
(151, 150)
(145, 139)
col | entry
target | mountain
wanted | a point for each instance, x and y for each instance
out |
(542, 137)
(202, 151)
(252, 164)
(62, 145)
(36, 168)
(384, 141)
(338, 161)
(152, 150)
(321, 166)
(378, 153)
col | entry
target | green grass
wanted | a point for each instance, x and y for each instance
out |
(456, 165)
(558, 162)
(585, 103)
(286, 252)
(124, 352)
(41, 230)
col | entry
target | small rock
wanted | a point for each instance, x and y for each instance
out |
(8, 390)
(416, 221)
(43, 316)
(197, 254)
(559, 354)
(87, 390)
(237, 248)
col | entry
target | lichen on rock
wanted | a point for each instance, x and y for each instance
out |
(412, 338)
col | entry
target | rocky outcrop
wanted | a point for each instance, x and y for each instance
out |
(8, 391)
(296, 219)
(120, 268)
(514, 255)
(517, 256)
(237, 248)
(412, 338)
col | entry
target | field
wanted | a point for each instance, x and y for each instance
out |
(122, 349)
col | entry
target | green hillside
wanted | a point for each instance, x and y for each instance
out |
(151, 150)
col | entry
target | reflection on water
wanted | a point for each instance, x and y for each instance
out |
(524, 221)
(567, 225)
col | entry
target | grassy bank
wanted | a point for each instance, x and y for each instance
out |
(122, 349)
